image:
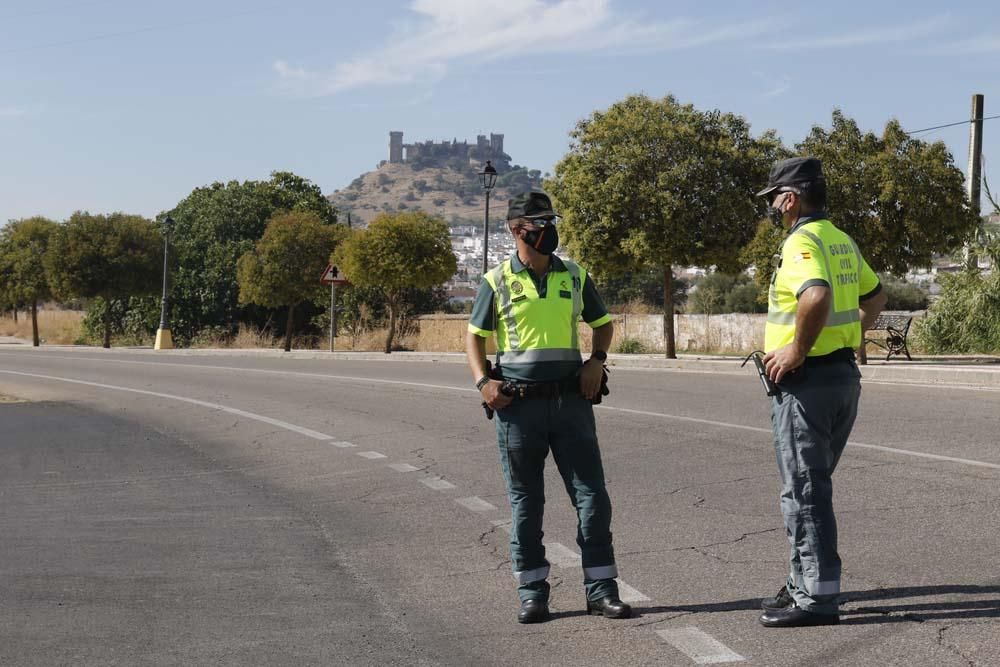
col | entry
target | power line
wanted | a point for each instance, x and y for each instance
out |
(961, 122)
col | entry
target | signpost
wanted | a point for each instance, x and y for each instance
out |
(332, 278)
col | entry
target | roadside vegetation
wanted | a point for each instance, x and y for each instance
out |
(647, 187)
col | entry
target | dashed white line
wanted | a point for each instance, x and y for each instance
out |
(437, 483)
(372, 455)
(403, 467)
(342, 444)
(561, 556)
(475, 504)
(629, 594)
(700, 646)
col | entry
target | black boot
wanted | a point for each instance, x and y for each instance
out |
(780, 601)
(796, 617)
(609, 607)
(533, 611)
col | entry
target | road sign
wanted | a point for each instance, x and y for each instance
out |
(331, 276)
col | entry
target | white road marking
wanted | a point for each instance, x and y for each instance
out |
(700, 646)
(403, 467)
(372, 455)
(475, 504)
(561, 556)
(183, 399)
(437, 483)
(320, 376)
(851, 443)
(342, 444)
(629, 594)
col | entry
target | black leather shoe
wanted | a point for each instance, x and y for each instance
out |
(609, 607)
(780, 601)
(533, 611)
(796, 617)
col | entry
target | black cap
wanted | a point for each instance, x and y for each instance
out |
(532, 204)
(795, 172)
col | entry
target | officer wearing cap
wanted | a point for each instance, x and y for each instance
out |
(823, 295)
(532, 302)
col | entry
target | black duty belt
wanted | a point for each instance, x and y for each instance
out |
(543, 389)
(841, 355)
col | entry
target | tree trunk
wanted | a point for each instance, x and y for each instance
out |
(392, 326)
(668, 311)
(862, 353)
(107, 324)
(34, 323)
(289, 326)
(15, 314)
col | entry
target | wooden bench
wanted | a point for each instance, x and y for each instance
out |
(895, 324)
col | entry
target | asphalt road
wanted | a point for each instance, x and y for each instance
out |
(161, 509)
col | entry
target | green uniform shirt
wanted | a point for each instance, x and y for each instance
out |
(818, 253)
(546, 340)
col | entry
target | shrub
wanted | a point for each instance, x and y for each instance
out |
(903, 295)
(630, 346)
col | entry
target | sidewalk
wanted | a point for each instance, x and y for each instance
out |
(960, 371)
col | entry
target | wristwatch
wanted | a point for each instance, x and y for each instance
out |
(482, 382)
(600, 355)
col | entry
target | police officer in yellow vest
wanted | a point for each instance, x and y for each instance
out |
(823, 295)
(532, 303)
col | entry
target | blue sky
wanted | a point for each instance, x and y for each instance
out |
(122, 105)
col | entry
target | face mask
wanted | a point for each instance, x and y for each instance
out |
(544, 240)
(775, 214)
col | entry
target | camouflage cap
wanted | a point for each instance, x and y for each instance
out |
(531, 204)
(795, 171)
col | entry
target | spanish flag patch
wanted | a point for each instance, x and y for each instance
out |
(804, 255)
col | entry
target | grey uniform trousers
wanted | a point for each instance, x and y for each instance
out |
(812, 419)
(526, 430)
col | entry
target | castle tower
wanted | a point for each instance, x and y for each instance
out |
(396, 147)
(496, 142)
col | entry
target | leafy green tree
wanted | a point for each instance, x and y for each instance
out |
(215, 226)
(284, 268)
(720, 292)
(22, 246)
(398, 251)
(114, 257)
(643, 286)
(902, 199)
(655, 183)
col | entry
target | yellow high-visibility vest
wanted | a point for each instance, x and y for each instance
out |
(817, 253)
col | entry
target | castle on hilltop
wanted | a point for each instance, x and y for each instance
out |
(431, 153)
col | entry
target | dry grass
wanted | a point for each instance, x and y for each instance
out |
(55, 327)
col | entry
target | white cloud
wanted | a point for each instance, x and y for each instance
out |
(895, 34)
(972, 45)
(448, 31)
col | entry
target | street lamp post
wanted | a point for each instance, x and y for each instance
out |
(488, 177)
(163, 339)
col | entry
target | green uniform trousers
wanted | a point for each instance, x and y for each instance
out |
(526, 430)
(812, 419)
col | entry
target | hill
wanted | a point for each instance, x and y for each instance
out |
(453, 193)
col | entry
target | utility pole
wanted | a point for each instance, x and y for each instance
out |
(974, 182)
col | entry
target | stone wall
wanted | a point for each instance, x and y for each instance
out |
(733, 333)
